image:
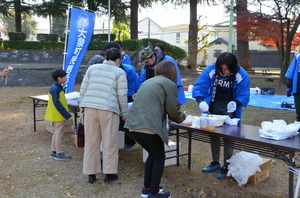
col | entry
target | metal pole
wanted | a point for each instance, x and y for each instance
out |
(67, 33)
(148, 27)
(230, 28)
(108, 20)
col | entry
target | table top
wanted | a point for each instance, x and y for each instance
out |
(246, 133)
(45, 98)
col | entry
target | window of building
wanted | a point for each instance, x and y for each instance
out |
(217, 53)
(178, 37)
(213, 37)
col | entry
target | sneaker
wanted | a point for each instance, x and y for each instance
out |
(52, 155)
(145, 192)
(213, 166)
(62, 156)
(223, 172)
(110, 177)
(160, 195)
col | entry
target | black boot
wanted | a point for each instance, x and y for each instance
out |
(110, 177)
(92, 178)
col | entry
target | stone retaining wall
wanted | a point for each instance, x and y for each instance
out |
(35, 77)
(31, 56)
(47, 56)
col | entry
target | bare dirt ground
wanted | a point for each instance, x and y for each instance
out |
(27, 171)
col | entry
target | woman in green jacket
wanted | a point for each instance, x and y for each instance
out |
(147, 122)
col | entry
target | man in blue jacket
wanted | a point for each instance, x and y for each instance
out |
(293, 82)
(150, 58)
(223, 88)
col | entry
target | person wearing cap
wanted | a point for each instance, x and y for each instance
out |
(125, 58)
(150, 58)
(223, 88)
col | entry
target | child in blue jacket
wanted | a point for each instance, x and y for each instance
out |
(57, 112)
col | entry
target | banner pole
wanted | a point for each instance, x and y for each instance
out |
(108, 21)
(67, 33)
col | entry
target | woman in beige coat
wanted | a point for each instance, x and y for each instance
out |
(103, 99)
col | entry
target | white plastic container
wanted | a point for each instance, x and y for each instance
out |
(203, 121)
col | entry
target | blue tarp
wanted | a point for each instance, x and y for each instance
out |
(258, 100)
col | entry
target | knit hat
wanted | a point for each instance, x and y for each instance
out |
(146, 53)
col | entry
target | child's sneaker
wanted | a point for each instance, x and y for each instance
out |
(146, 192)
(62, 156)
(160, 195)
(52, 155)
(213, 166)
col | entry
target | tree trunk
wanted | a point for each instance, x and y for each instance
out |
(242, 51)
(134, 6)
(18, 18)
(193, 32)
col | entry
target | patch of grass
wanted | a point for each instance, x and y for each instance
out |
(270, 80)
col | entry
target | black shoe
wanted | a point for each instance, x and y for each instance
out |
(146, 192)
(160, 195)
(110, 177)
(223, 172)
(92, 178)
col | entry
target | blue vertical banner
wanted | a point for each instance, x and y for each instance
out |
(81, 30)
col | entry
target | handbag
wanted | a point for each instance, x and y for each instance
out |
(79, 133)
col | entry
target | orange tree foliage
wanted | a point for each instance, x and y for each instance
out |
(261, 28)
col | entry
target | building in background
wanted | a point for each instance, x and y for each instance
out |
(218, 41)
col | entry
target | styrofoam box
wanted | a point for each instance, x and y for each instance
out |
(68, 126)
(121, 137)
(168, 162)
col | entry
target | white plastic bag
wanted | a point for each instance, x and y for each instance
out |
(232, 121)
(243, 165)
(278, 130)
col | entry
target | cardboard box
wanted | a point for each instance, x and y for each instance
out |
(68, 126)
(121, 140)
(264, 174)
(170, 152)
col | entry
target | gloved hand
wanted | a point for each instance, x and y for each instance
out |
(203, 106)
(231, 107)
(289, 91)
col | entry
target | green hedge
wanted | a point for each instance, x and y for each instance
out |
(102, 37)
(128, 45)
(175, 52)
(47, 37)
(32, 45)
(17, 36)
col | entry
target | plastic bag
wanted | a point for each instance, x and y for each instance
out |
(243, 165)
(232, 121)
(278, 130)
(187, 121)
